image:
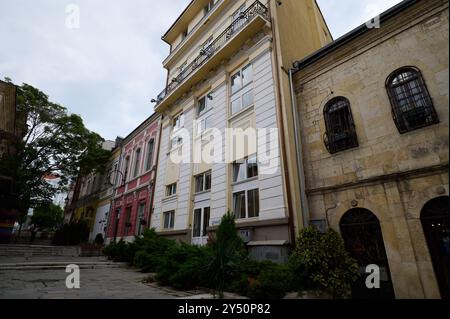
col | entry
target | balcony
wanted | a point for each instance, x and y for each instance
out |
(244, 27)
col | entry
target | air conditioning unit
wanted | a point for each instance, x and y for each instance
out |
(246, 235)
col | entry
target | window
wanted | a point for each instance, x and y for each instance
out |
(204, 104)
(140, 218)
(203, 124)
(150, 147)
(137, 162)
(241, 89)
(201, 222)
(245, 169)
(341, 132)
(204, 120)
(171, 189)
(127, 165)
(209, 6)
(169, 219)
(203, 182)
(236, 82)
(411, 103)
(127, 219)
(247, 74)
(175, 142)
(253, 203)
(246, 201)
(178, 121)
(239, 205)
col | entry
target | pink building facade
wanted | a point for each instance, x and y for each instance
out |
(135, 175)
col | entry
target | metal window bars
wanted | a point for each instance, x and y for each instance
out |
(412, 106)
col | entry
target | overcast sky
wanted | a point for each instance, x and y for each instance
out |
(109, 68)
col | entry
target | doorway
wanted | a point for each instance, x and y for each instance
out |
(435, 223)
(361, 231)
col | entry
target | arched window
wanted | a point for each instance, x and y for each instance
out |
(127, 167)
(341, 133)
(149, 162)
(137, 162)
(412, 106)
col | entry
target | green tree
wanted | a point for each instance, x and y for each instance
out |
(228, 251)
(47, 215)
(53, 142)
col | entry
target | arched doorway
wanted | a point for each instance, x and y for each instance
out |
(435, 220)
(361, 232)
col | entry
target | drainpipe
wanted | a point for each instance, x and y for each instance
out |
(298, 150)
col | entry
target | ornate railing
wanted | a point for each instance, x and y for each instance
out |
(257, 8)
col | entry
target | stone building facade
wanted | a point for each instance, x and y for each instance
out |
(374, 123)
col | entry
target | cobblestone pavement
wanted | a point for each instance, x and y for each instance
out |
(110, 283)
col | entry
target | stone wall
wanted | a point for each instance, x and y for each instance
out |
(391, 174)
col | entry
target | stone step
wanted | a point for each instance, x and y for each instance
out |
(27, 250)
(60, 265)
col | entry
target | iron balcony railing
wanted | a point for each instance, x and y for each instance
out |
(257, 8)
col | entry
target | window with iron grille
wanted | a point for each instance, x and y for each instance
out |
(412, 106)
(341, 132)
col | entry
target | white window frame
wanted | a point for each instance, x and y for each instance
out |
(149, 157)
(245, 161)
(246, 191)
(137, 162)
(171, 222)
(203, 226)
(243, 90)
(204, 118)
(175, 120)
(171, 190)
(203, 176)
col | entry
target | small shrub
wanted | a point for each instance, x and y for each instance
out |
(118, 252)
(272, 282)
(184, 267)
(321, 263)
(150, 250)
(228, 251)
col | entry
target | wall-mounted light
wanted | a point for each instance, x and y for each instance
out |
(210, 96)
